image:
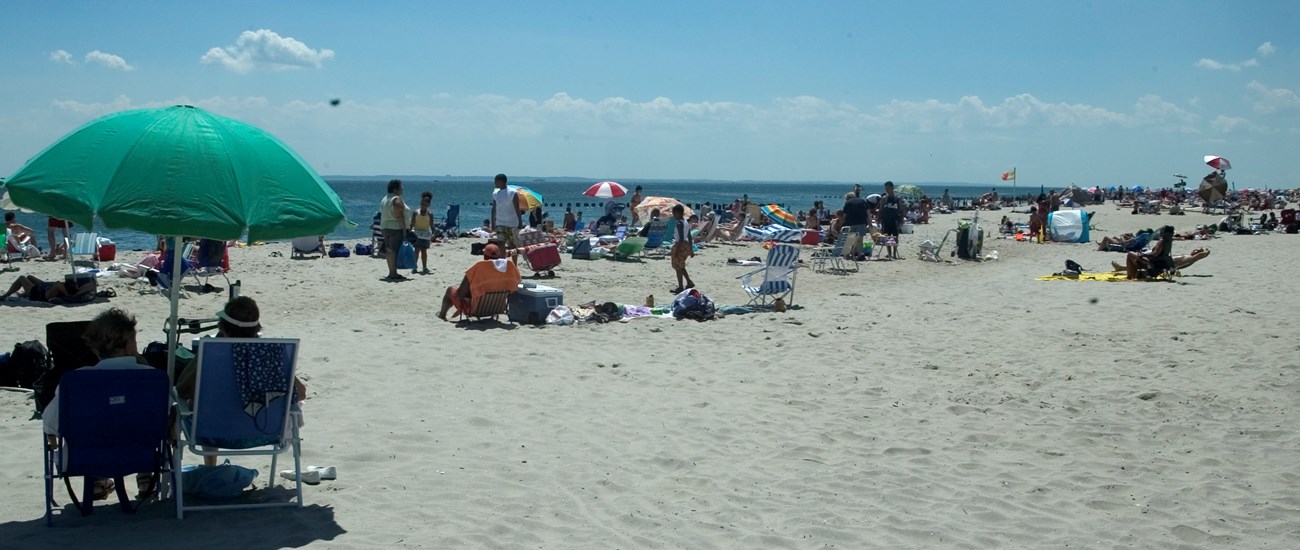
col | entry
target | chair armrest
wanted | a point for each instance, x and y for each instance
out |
(760, 269)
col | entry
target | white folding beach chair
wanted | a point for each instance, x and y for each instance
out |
(82, 244)
(778, 272)
(833, 255)
(243, 406)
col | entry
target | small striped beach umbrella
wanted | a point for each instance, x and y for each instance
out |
(779, 215)
(606, 190)
(532, 198)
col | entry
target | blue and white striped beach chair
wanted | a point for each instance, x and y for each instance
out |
(778, 280)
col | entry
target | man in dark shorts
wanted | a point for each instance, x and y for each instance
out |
(857, 222)
(891, 217)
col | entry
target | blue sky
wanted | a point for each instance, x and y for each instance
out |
(1090, 93)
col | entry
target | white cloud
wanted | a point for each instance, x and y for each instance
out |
(1273, 100)
(62, 56)
(1231, 124)
(1207, 63)
(109, 60)
(1266, 49)
(265, 50)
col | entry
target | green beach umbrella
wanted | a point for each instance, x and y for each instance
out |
(909, 191)
(178, 171)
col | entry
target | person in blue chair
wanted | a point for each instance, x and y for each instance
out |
(241, 318)
(111, 335)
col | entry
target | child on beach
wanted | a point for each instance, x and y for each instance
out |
(422, 224)
(683, 248)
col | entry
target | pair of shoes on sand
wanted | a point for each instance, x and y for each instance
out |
(312, 475)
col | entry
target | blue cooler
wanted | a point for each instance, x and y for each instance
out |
(532, 303)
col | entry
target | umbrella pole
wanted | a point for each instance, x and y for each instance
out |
(175, 299)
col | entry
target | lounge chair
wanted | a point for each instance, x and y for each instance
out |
(238, 413)
(21, 250)
(302, 246)
(734, 232)
(167, 265)
(629, 247)
(449, 228)
(82, 244)
(658, 231)
(930, 252)
(778, 273)
(67, 352)
(491, 305)
(112, 423)
(834, 256)
(210, 260)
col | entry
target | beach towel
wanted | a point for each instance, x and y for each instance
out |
(1109, 276)
(774, 232)
(260, 373)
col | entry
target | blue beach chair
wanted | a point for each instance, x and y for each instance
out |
(243, 397)
(112, 422)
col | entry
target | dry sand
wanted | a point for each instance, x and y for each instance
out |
(909, 405)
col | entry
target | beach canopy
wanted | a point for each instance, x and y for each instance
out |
(664, 204)
(1218, 163)
(178, 171)
(606, 190)
(1213, 188)
(779, 215)
(532, 199)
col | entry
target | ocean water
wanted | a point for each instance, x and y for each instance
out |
(360, 197)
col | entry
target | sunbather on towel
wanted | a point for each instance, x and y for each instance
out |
(1180, 262)
(491, 274)
(37, 290)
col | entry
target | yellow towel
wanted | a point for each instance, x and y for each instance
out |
(1110, 276)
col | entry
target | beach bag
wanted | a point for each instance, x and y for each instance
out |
(582, 249)
(406, 256)
(225, 481)
(27, 362)
(364, 249)
(476, 249)
(693, 304)
(339, 250)
(560, 315)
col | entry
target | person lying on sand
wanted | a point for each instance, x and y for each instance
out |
(37, 290)
(1125, 242)
(1180, 262)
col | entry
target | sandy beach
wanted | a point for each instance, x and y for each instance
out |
(908, 405)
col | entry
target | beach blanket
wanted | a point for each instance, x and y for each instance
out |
(774, 233)
(1109, 277)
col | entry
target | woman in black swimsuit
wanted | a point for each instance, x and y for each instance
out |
(37, 290)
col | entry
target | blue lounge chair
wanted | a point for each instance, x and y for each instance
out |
(111, 423)
(243, 397)
(778, 272)
(449, 228)
(655, 236)
(210, 261)
(165, 269)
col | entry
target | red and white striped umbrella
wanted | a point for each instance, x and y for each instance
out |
(1217, 162)
(606, 190)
